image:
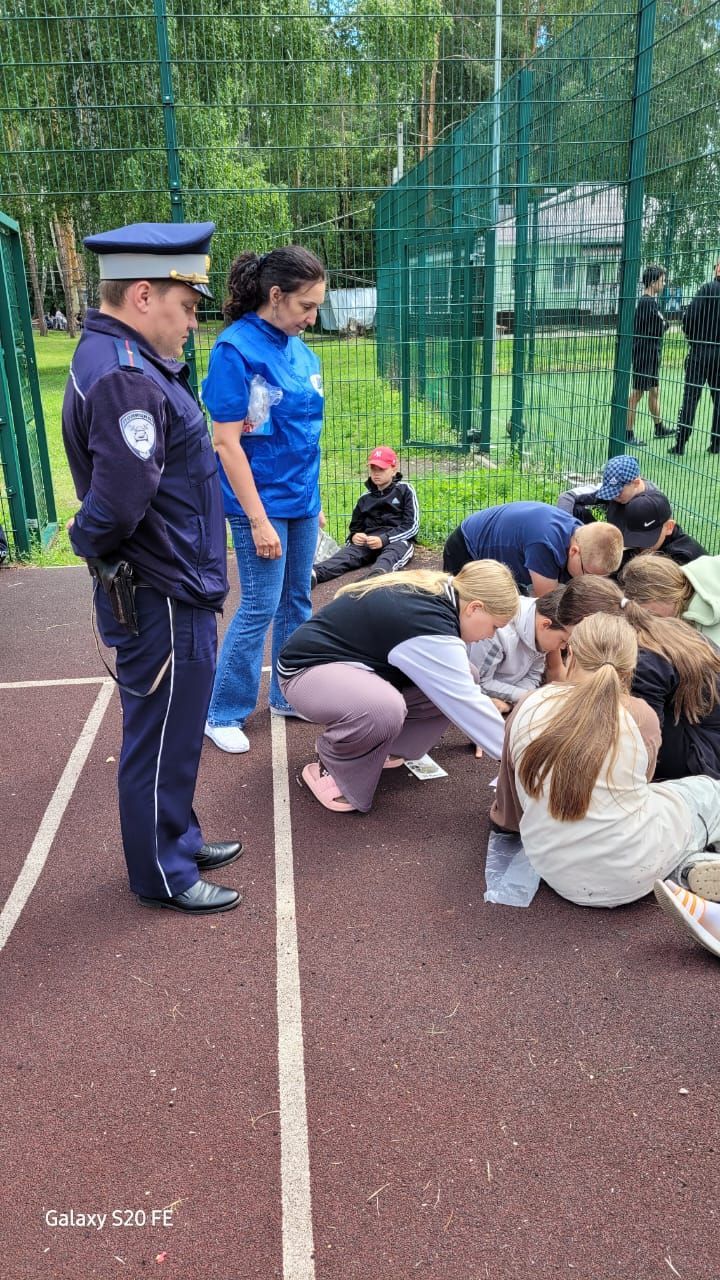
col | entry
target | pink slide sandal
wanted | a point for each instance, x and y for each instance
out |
(325, 788)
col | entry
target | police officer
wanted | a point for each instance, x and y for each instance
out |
(701, 324)
(145, 473)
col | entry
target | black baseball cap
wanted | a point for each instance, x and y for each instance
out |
(644, 517)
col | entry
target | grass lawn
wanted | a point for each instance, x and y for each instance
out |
(566, 424)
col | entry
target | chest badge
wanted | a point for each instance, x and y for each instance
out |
(317, 383)
(139, 433)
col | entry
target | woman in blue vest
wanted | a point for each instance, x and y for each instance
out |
(264, 392)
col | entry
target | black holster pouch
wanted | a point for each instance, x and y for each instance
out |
(117, 581)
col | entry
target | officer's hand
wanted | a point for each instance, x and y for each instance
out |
(70, 524)
(321, 520)
(267, 543)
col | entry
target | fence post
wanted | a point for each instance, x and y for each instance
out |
(520, 273)
(490, 268)
(632, 227)
(177, 211)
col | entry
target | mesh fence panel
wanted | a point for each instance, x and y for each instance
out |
(480, 308)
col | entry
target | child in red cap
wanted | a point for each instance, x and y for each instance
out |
(382, 526)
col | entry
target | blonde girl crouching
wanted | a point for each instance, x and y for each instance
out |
(592, 825)
(384, 668)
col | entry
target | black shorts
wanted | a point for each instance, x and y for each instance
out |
(455, 552)
(644, 381)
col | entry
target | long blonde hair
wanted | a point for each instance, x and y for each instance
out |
(486, 580)
(696, 661)
(573, 745)
(657, 579)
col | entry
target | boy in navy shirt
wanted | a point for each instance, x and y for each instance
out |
(541, 545)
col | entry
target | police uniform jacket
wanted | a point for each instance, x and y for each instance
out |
(143, 465)
(391, 514)
(285, 463)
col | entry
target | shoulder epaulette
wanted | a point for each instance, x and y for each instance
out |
(128, 354)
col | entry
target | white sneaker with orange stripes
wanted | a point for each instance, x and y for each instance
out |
(697, 916)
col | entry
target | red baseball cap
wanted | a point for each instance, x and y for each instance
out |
(383, 456)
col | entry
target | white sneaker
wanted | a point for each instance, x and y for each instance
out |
(290, 714)
(228, 738)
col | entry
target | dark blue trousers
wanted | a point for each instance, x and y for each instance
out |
(162, 736)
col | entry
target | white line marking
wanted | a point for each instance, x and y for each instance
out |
(48, 684)
(297, 1233)
(53, 815)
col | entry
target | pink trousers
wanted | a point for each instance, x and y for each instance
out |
(366, 720)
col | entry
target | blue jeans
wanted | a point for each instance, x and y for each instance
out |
(271, 591)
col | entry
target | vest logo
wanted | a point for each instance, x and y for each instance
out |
(139, 434)
(317, 383)
(395, 502)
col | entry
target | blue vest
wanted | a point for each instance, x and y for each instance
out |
(285, 464)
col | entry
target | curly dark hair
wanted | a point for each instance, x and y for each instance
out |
(253, 275)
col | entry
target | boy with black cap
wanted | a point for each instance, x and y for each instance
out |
(649, 527)
(151, 517)
(383, 524)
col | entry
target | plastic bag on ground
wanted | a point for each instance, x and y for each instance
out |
(510, 878)
(326, 546)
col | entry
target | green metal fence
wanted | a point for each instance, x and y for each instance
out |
(484, 250)
(27, 505)
(516, 330)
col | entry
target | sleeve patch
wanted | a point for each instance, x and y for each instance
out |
(139, 433)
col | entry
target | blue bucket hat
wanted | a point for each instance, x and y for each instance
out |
(618, 472)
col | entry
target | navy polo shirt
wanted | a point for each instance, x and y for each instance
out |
(529, 537)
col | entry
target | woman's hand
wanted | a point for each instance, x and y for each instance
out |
(267, 543)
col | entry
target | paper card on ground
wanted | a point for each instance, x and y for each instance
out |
(425, 768)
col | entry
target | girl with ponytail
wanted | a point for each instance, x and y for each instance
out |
(385, 669)
(669, 590)
(677, 674)
(591, 824)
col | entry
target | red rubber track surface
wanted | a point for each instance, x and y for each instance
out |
(491, 1093)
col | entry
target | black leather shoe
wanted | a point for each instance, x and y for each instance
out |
(713, 448)
(201, 899)
(212, 856)
(635, 442)
(662, 432)
(677, 449)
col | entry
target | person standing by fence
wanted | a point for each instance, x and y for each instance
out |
(264, 392)
(150, 526)
(701, 325)
(648, 331)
